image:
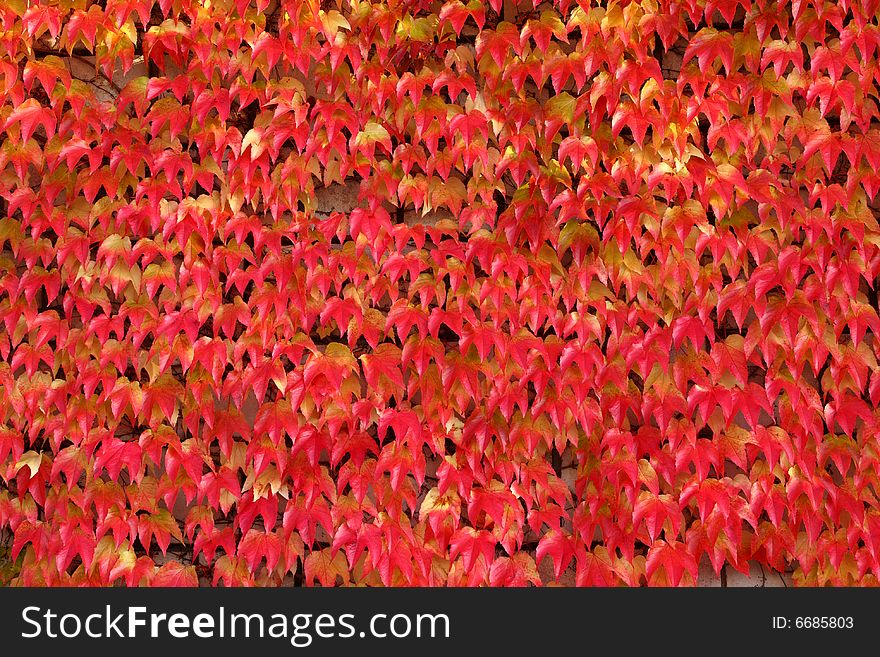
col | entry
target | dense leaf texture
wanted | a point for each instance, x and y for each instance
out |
(415, 292)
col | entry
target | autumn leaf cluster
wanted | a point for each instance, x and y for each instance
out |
(415, 292)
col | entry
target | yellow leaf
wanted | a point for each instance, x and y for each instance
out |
(340, 353)
(129, 30)
(373, 132)
(32, 460)
(254, 139)
(434, 502)
(18, 7)
(333, 21)
(561, 107)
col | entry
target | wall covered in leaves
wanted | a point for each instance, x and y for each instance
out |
(414, 292)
